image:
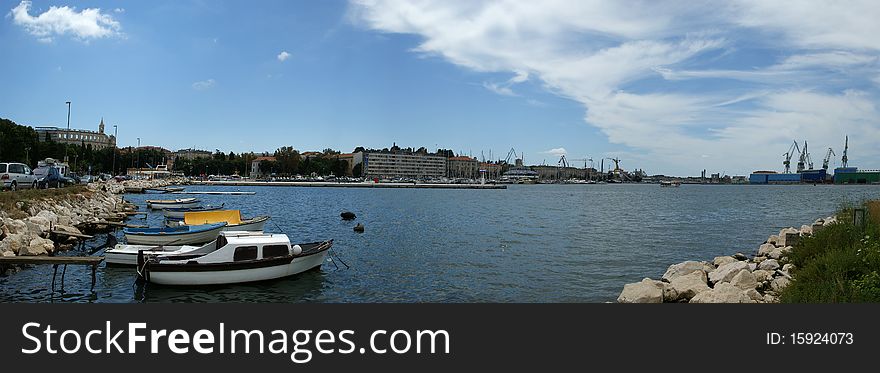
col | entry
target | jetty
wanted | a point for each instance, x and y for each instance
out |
(331, 184)
(56, 261)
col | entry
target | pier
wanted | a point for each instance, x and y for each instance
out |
(350, 185)
(55, 261)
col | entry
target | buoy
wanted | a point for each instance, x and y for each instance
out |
(347, 215)
(359, 228)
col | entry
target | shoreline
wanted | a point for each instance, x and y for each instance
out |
(330, 184)
(736, 278)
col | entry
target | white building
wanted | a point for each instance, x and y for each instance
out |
(391, 165)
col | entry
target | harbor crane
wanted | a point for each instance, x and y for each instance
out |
(511, 153)
(845, 148)
(827, 158)
(791, 151)
(804, 159)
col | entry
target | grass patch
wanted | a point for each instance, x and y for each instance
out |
(838, 264)
(9, 200)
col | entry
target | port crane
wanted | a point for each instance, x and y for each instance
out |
(827, 158)
(804, 159)
(845, 148)
(791, 151)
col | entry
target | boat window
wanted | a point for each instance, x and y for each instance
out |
(221, 241)
(273, 251)
(245, 253)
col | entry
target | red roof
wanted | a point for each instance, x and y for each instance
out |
(461, 158)
(258, 159)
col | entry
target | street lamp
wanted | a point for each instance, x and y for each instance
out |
(68, 130)
(113, 169)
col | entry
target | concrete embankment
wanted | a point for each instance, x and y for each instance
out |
(350, 185)
(727, 279)
(43, 222)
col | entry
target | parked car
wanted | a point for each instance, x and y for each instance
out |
(85, 179)
(17, 176)
(54, 179)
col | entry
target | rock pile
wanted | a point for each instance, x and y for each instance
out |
(727, 279)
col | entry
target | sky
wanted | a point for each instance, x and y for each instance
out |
(671, 87)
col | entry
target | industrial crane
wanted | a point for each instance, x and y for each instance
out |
(511, 153)
(845, 148)
(804, 159)
(789, 154)
(827, 158)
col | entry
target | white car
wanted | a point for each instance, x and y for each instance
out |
(17, 176)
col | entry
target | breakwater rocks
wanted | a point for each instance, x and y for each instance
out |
(727, 279)
(46, 222)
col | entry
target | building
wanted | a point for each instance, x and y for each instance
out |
(852, 175)
(559, 173)
(348, 158)
(255, 166)
(492, 170)
(462, 167)
(191, 154)
(771, 177)
(395, 165)
(91, 139)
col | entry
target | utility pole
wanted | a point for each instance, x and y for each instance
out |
(115, 137)
(68, 130)
(139, 158)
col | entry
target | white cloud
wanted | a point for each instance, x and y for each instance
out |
(87, 24)
(204, 84)
(556, 151)
(597, 53)
(283, 56)
(119, 10)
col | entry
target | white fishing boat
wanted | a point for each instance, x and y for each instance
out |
(177, 212)
(232, 218)
(242, 257)
(665, 183)
(183, 235)
(122, 254)
(158, 204)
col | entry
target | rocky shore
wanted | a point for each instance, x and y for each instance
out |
(727, 279)
(37, 225)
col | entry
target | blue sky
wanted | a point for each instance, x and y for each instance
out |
(671, 87)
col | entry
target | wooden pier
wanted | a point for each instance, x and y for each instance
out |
(55, 261)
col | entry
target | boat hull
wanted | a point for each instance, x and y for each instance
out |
(250, 225)
(128, 254)
(160, 206)
(232, 274)
(187, 238)
(173, 212)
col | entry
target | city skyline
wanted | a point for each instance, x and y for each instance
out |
(668, 87)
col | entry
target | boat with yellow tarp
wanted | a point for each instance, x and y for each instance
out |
(232, 218)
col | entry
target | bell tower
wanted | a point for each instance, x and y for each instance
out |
(101, 126)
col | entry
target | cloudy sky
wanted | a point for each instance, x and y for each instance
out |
(670, 87)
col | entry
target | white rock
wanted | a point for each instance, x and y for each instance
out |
(646, 291)
(769, 265)
(16, 226)
(787, 268)
(770, 298)
(38, 246)
(754, 295)
(762, 275)
(722, 260)
(788, 237)
(40, 221)
(779, 283)
(806, 230)
(686, 287)
(48, 215)
(15, 242)
(726, 272)
(773, 239)
(765, 249)
(830, 220)
(753, 266)
(8, 253)
(779, 252)
(723, 293)
(744, 280)
(684, 268)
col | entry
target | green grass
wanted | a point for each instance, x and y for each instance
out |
(838, 264)
(8, 199)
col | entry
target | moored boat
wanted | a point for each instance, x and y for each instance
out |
(242, 257)
(232, 218)
(123, 254)
(177, 212)
(158, 204)
(665, 183)
(183, 235)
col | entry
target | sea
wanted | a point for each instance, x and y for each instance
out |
(555, 243)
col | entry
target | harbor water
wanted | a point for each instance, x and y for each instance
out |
(528, 243)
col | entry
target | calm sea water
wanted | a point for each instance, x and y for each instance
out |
(529, 243)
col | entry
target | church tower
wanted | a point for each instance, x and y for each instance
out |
(101, 126)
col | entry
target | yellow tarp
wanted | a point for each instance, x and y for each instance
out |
(231, 217)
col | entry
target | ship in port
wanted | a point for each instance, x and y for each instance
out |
(806, 174)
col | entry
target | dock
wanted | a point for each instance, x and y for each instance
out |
(329, 184)
(55, 261)
(218, 193)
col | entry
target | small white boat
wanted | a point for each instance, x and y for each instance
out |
(177, 212)
(158, 204)
(665, 183)
(242, 257)
(183, 235)
(123, 254)
(256, 224)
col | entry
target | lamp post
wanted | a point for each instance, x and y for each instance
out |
(68, 130)
(139, 158)
(113, 168)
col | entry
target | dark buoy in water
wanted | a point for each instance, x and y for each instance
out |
(359, 228)
(347, 215)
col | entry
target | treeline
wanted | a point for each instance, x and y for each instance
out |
(288, 162)
(22, 144)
